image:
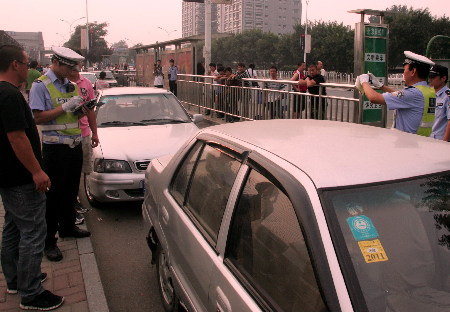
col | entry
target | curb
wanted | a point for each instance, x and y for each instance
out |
(93, 285)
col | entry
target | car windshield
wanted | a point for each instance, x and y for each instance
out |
(140, 109)
(397, 236)
(91, 77)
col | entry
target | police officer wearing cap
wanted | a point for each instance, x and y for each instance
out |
(53, 99)
(438, 79)
(414, 105)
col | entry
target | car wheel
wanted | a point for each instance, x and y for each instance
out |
(92, 201)
(165, 284)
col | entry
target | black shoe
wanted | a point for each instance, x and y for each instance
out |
(79, 208)
(13, 290)
(53, 253)
(76, 233)
(45, 301)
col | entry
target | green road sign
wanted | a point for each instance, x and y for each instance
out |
(375, 61)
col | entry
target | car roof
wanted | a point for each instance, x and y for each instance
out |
(341, 154)
(87, 73)
(133, 90)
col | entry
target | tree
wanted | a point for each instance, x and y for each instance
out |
(97, 42)
(411, 29)
(120, 44)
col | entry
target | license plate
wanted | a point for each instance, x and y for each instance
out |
(142, 185)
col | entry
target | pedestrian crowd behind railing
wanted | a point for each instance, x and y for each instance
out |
(253, 100)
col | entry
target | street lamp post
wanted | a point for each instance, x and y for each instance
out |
(306, 29)
(167, 32)
(70, 23)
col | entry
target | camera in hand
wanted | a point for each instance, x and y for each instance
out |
(89, 105)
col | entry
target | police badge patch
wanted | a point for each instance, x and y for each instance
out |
(398, 93)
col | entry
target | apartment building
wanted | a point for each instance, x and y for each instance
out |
(276, 16)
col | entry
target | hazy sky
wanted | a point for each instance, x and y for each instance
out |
(138, 20)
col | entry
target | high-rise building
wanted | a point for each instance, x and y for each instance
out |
(193, 19)
(278, 17)
(32, 42)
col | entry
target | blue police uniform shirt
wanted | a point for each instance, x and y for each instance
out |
(40, 99)
(173, 72)
(409, 104)
(442, 113)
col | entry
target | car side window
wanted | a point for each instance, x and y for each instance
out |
(266, 246)
(210, 187)
(180, 183)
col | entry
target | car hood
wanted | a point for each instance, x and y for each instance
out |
(143, 142)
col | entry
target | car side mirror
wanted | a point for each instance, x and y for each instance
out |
(196, 118)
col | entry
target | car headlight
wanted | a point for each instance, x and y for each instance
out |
(111, 166)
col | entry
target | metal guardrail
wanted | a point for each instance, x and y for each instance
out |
(252, 103)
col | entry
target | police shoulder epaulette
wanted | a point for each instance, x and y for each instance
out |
(409, 87)
(447, 92)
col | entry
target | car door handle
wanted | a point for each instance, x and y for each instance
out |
(164, 215)
(223, 304)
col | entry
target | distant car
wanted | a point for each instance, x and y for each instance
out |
(109, 77)
(301, 215)
(135, 125)
(90, 76)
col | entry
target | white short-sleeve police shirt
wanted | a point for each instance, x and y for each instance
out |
(409, 104)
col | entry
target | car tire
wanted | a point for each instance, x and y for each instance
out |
(92, 201)
(169, 298)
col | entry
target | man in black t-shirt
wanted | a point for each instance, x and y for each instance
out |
(312, 81)
(23, 184)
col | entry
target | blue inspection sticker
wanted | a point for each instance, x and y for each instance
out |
(362, 228)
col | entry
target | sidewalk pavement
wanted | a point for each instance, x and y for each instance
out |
(76, 277)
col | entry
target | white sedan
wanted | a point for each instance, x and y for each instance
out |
(135, 125)
(301, 215)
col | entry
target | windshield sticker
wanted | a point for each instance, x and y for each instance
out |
(362, 228)
(354, 209)
(373, 251)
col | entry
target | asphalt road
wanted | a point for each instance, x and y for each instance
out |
(123, 257)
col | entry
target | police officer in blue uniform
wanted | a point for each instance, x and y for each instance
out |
(53, 99)
(438, 79)
(410, 103)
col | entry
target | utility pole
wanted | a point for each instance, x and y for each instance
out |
(207, 48)
(87, 34)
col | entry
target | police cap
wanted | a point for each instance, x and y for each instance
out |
(413, 58)
(67, 56)
(438, 70)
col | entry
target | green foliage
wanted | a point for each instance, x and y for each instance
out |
(334, 48)
(411, 29)
(119, 44)
(97, 43)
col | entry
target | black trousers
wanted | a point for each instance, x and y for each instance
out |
(63, 166)
(173, 86)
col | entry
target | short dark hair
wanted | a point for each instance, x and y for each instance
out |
(220, 69)
(422, 70)
(9, 53)
(273, 67)
(300, 64)
(241, 65)
(102, 75)
(228, 69)
(33, 64)
(171, 61)
(252, 66)
(212, 64)
(312, 65)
